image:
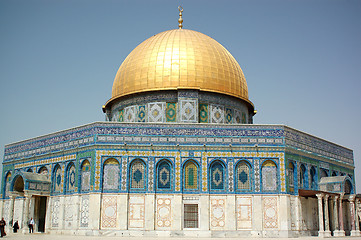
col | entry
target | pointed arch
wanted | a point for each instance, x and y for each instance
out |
(164, 175)
(137, 175)
(323, 173)
(18, 184)
(43, 170)
(111, 175)
(85, 176)
(348, 188)
(302, 178)
(190, 176)
(313, 173)
(243, 176)
(217, 175)
(70, 177)
(269, 176)
(291, 176)
(7, 185)
(57, 179)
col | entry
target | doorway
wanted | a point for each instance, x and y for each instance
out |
(40, 212)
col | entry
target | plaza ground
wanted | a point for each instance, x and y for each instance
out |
(40, 236)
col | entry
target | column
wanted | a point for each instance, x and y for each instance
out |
(357, 215)
(351, 200)
(321, 232)
(340, 216)
(26, 214)
(335, 216)
(11, 209)
(327, 217)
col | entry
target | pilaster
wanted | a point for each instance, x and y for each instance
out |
(321, 231)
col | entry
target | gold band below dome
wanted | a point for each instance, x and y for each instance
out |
(180, 59)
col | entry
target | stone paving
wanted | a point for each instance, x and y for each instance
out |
(41, 236)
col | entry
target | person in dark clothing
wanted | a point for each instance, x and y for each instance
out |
(31, 225)
(2, 227)
(16, 227)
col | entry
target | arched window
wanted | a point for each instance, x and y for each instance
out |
(29, 170)
(70, 178)
(137, 175)
(291, 177)
(243, 178)
(7, 185)
(57, 179)
(313, 178)
(85, 176)
(334, 173)
(190, 176)
(217, 176)
(323, 173)
(111, 175)
(164, 175)
(43, 170)
(302, 180)
(269, 176)
(348, 187)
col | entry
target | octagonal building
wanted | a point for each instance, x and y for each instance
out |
(179, 155)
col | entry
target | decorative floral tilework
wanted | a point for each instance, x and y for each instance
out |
(203, 113)
(243, 177)
(84, 211)
(129, 114)
(156, 112)
(217, 176)
(137, 174)
(188, 110)
(71, 178)
(55, 212)
(237, 116)
(85, 176)
(171, 112)
(136, 212)
(142, 113)
(217, 114)
(164, 212)
(121, 116)
(229, 115)
(164, 175)
(57, 179)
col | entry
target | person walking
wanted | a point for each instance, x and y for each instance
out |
(16, 227)
(31, 225)
(2, 227)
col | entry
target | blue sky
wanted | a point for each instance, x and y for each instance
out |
(301, 59)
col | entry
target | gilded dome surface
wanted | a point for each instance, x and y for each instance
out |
(180, 59)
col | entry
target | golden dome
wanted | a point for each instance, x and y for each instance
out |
(180, 59)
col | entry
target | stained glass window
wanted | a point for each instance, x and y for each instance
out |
(217, 176)
(57, 179)
(190, 176)
(111, 175)
(137, 175)
(269, 176)
(71, 178)
(85, 176)
(243, 180)
(164, 175)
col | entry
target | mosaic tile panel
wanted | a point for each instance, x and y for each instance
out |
(217, 176)
(7, 185)
(217, 212)
(188, 110)
(230, 175)
(237, 116)
(257, 179)
(130, 114)
(55, 209)
(270, 212)
(164, 175)
(269, 177)
(142, 114)
(121, 116)
(137, 174)
(58, 180)
(177, 172)
(244, 213)
(85, 176)
(156, 112)
(136, 217)
(203, 113)
(229, 116)
(164, 212)
(151, 174)
(111, 175)
(282, 172)
(109, 212)
(243, 177)
(204, 173)
(244, 118)
(124, 174)
(84, 211)
(217, 114)
(171, 112)
(71, 178)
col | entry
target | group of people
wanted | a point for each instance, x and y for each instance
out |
(15, 226)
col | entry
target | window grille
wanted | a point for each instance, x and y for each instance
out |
(190, 215)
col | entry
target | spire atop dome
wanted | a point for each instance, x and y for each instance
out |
(180, 20)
